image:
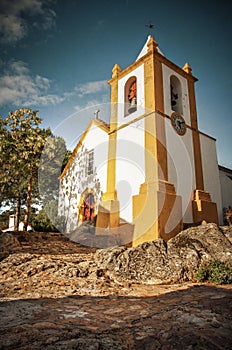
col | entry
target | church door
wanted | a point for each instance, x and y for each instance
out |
(89, 207)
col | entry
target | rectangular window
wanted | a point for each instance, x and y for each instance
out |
(90, 162)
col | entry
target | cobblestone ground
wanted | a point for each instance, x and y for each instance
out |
(79, 313)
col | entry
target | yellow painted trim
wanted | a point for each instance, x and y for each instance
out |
(196, 138)
(108, 210)
(122, 126)
(111, 166)
(203, 208)
(163, 115)
(99, 123)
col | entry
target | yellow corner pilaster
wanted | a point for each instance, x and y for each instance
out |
(157, 212)
(109, 208)
(203, 208)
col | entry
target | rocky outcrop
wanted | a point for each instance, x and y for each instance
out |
(161, 262)
(35, 264)
(57, 294)
(227, 230)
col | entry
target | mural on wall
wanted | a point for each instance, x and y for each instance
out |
(80, 189)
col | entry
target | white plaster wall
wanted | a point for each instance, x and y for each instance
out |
(226, 188)
(211, 171)
(98, 139)
(181, 171)
(139, 74)
(75, 181)
(130, 166)
(167, 72)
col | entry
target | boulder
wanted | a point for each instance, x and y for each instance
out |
(227, 230)
(161, 262)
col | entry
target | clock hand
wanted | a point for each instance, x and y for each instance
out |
(180, 123)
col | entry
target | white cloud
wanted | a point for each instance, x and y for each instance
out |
(15, 15)
(99, 91)
(18, 68)
(91, 88)
(18, 87)
(88, 105)
(12, 29)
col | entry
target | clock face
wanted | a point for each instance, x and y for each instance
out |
(178, 123)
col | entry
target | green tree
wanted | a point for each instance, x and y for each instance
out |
(21, 145)
(12, 184)
(48, 220)
(31, 162)
(66, 159)
(52, 161)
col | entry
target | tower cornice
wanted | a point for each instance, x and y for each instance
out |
(119, 73)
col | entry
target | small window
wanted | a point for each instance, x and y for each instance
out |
(90, 162)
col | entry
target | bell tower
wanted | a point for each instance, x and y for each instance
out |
(157, 203)
(153, 106)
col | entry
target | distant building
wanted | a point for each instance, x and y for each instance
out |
(150, 166)
(12, 219)
(225, 175)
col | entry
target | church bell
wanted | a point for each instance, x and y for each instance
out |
(133, 105)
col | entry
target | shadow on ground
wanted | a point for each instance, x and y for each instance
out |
(198, 317)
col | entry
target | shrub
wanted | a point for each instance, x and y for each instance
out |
(214, 271)
(42, 223)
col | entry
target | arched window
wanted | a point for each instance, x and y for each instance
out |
(176, 94)
(130, 98)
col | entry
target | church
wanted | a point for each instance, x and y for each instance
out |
(150, 171)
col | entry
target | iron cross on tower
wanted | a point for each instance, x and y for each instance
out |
(150, 25)
(96, 113)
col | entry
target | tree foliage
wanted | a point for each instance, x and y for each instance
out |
(52, 161)
(48, 220)
(21, 148)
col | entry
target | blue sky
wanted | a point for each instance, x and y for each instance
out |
(56, 57)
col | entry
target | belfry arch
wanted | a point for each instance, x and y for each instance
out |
(176, 94)
(130, 96)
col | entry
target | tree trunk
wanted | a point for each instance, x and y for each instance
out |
(17, 214)
(28, 202)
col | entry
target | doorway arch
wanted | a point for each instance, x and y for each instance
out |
(87, 206)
